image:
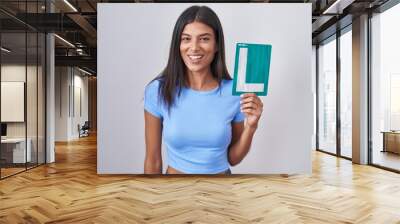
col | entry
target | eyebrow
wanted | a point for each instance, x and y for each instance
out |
(204, 34)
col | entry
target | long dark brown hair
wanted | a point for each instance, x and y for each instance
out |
(174, 76)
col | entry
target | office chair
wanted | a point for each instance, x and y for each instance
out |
(84, 130)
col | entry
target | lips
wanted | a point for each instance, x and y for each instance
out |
(195, 58)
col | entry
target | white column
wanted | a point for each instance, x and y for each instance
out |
(50, 110)
(360, 90)
(50, 91)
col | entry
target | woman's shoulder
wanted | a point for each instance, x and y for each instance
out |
(153, 85)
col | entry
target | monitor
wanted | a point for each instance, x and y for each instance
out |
(3, 129)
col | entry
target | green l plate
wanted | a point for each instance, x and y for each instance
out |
(251, 74)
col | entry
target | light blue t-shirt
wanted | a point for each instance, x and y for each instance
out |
(197, 130)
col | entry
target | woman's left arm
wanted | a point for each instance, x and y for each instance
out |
(243, 132)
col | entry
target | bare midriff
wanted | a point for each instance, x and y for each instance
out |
(171, 170)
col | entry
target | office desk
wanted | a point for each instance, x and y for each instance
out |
(391, 141)
(13, 150)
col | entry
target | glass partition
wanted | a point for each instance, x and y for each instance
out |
(41, 87)
(31, 100)
(32, 85)
(22, 77)
(13, 109)
(327, 96)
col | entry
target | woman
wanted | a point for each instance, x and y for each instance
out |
(190, 104)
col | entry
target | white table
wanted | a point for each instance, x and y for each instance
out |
(18, 144)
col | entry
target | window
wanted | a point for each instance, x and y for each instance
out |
(385, 88)
(346, 94)
(327, 97)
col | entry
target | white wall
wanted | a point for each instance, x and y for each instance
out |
(16, 72)
(314, 86)
(135, 51)
(61, 103)
(68, 81)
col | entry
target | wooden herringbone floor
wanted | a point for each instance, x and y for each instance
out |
(70, 191)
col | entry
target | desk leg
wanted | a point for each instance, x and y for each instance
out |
(384, 142)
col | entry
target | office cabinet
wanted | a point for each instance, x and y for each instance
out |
(391, 142)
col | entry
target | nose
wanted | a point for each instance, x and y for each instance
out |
(195, 45)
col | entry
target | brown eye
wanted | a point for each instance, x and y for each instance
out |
(185, 38)
(205, 39)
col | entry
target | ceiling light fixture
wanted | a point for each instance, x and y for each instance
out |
(5, 49)
(64, 40)
(70, 5)
(337, 7)
(329, 9)
(84, 71)
(79, 51)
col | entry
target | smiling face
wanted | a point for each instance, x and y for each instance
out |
(198, 46)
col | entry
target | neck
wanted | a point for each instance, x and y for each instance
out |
(201, 80)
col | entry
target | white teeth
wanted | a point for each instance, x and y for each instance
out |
(195, 57)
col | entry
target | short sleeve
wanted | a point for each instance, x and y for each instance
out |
(239, 116)
(151, 99)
